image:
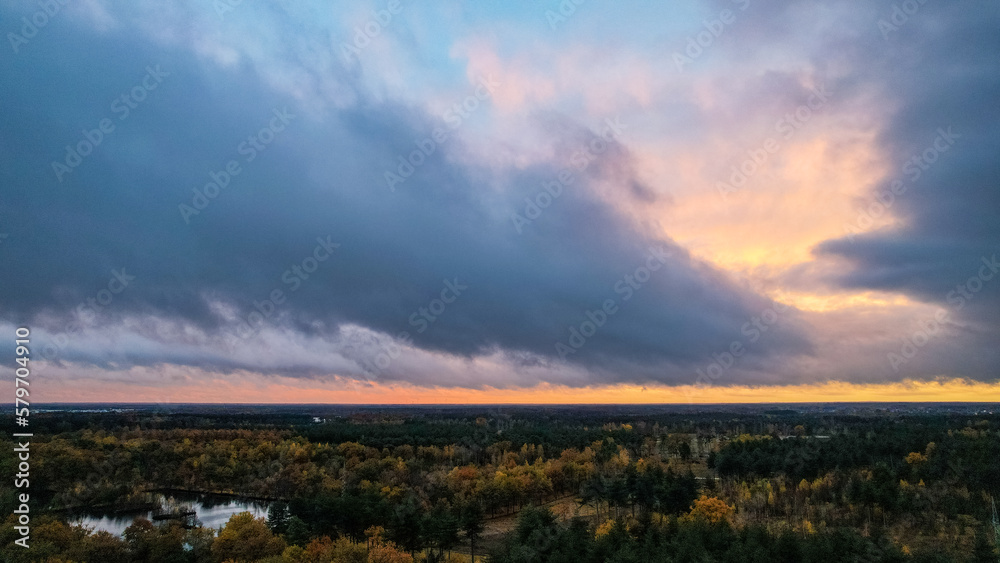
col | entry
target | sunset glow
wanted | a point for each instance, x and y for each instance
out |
(286, 392)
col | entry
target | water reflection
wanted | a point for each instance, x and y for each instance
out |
(212, 511)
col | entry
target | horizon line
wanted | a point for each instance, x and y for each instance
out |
(902, 401)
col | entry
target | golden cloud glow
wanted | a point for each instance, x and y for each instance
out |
(820, 303)
(806, 195)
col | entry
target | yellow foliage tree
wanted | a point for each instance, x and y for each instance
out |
(246, 538)
(710, 509)
(604, 529)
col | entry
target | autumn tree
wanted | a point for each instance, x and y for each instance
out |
(711, 510)
(246, 538)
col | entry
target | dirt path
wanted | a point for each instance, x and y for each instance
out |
(495, 529)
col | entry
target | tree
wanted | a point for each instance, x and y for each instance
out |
(277, 518)
(137, 537)
(405, 527)
(684, 449)
(388, 553)
(324, 549)
(198, 543)
(382, 551)
(788, 548)
(156, 544)
(442, 527)
(595, 489)
(983, 551)
(105, 547)
(471, 522)
(246, 538)
(297, 532)
(711, 510)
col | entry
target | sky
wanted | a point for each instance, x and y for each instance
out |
(501, 202)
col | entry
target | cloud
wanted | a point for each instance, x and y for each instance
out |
(306, 264)
(941, 141)
(321, 177)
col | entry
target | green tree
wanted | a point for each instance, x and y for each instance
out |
(684, 450)
(277, 517)
(406, 525)
(297, 531)
(442, 527)
(472, 524)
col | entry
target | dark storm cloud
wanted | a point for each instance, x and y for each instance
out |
(926, 76)
(940, 76)
(320, 179)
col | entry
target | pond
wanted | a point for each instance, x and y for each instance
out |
(212, 511)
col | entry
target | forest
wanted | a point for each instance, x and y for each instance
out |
(518, 484)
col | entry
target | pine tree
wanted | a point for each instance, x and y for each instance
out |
(277, 518)
(472, 524)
